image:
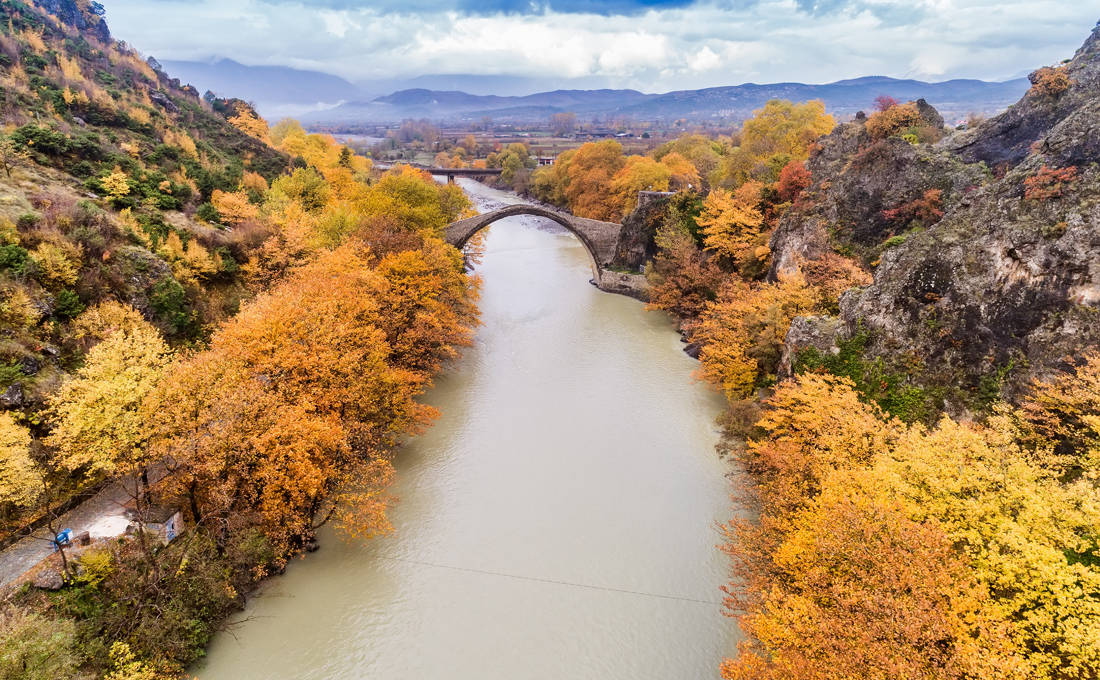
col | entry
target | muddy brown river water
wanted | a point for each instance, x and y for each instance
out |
(556, 522)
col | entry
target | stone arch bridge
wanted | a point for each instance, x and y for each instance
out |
(600, 238)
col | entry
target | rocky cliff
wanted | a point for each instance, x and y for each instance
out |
(1001, 281)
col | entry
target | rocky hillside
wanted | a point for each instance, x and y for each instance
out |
(985, 245)
(107, 170)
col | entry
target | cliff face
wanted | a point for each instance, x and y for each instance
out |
(1007, 284)
(1007, 140)
(857, 179)
(87, 18)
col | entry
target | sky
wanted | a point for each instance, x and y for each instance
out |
(651, 45)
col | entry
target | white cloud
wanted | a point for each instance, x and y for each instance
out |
(704, 60)
(695, 46)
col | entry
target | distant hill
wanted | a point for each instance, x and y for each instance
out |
(279, 91)
(276, 91)
(955, 98)
(454, 105)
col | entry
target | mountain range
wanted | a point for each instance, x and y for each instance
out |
(321, 98)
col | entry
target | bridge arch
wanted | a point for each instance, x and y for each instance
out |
(599, 238)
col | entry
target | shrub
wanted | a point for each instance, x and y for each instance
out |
(1049, 81)
(208, 213)
(42, 140)
(34, 647)
(894, 120)
(926, 210)
(67, 305)
(169, 301)
(892, 391)
(13, 258)
(1049, 183)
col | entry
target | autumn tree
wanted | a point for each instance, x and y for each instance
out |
(513, 160)
(814, 425)
(793, 180)
(590, 172)
(884, 102)
(98, 425)
(1026, 536)
(640, 173)
(742, 332)
(288, 417)
(683, 174)
(733, 227)
(682, 279)
(234, 206)
(858, 589)
(19, 480)
(704, 154)
(548, 183)
(777, 134)
(116, 184)
(894, 120)
(1058, 422)
(98, 322)
(950, 551)
(427, 307)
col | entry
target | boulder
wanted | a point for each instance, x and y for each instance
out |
(12, 397)
(30, 365)
(818, 332)
(163, 101)
(48, 579)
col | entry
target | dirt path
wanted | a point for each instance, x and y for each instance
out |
(103, 516)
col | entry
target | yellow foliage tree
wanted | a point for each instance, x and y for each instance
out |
(816, 424)
(1027, 537)
(640, 173)
(733, 225)
(107, 317)
(234, 207)
(683, 174)
(58, 266)
(249, 123)
(743, 331)
(17, 311)
(116, 184)
(97, 422)
(19, 481)
(776, 134)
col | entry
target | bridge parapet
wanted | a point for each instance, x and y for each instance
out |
(600, 238)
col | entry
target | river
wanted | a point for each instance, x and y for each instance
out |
(556, 522)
